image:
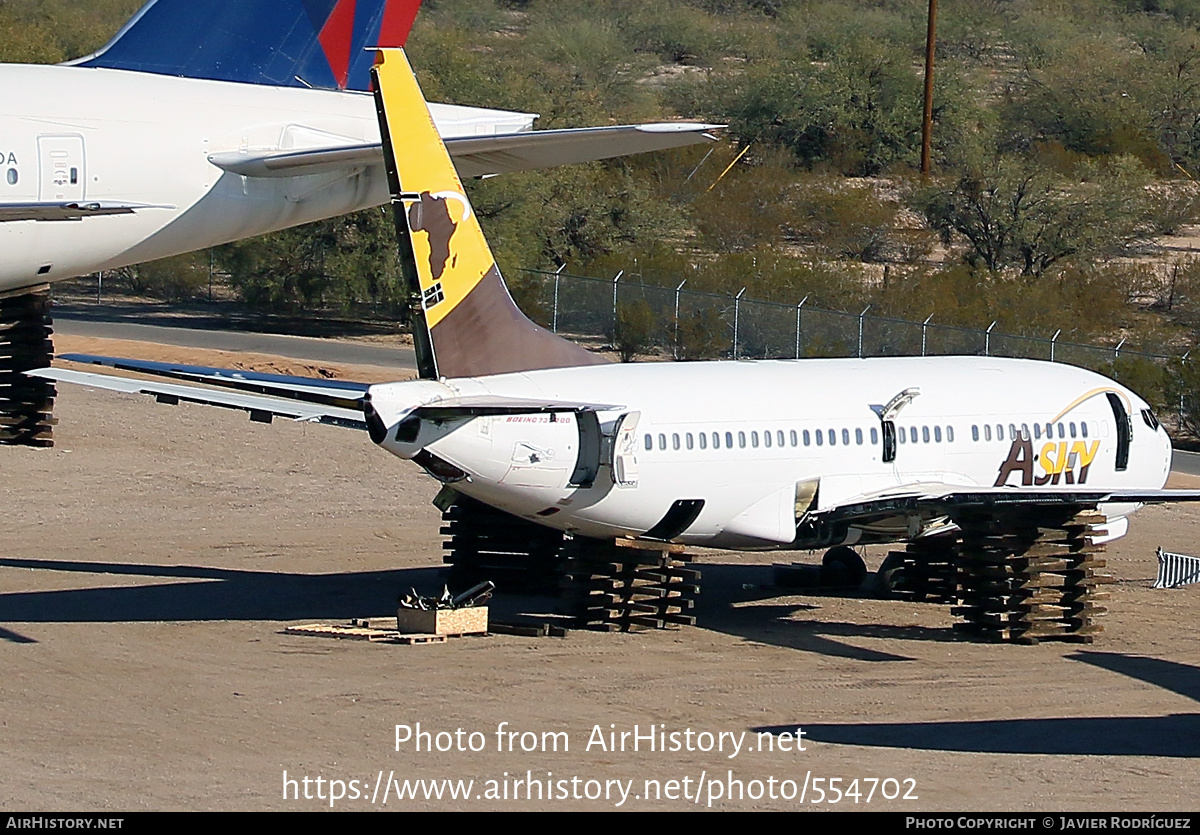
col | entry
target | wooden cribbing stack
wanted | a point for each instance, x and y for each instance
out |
(625, 584)
(489, 544)
(26, 403)
(1031, 576)
(927, 570)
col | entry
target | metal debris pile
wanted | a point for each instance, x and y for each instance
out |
(477, 595)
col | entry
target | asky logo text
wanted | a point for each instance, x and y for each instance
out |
(1059, 461)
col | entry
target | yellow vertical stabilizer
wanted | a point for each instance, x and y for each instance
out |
(465, 322)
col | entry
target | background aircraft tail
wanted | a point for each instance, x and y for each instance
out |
(280, 43)
(465, 323)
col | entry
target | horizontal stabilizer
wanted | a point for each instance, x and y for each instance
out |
(71, 210)
(261, 407)
(481, 156)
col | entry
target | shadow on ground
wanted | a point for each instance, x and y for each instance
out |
(196, 593)
(1176, 735)
(735, 601)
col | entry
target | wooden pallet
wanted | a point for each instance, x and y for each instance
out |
(354, 632)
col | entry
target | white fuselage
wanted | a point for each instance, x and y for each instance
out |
(141, 138)
(742, 436)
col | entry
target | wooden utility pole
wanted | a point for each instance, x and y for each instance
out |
(927, 122)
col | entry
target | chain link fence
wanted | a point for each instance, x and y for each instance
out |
(645, 319)
(675, 320)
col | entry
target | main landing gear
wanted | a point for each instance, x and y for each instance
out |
(607, 585)
(1014, 576)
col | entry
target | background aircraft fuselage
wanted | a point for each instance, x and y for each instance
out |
(83, 134)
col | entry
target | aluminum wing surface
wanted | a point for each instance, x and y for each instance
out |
(267, 396)
(930, 500)
(70, 210)
(262, 408)
(483, 156)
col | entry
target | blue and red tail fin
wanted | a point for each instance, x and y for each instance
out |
(279, 43)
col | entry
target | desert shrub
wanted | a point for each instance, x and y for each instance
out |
(1149, 379)
(174, 279)
(1182, 394)
(702, 334)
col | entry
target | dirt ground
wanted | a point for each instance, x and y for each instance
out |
(150, 561)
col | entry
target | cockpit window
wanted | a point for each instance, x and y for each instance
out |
(1149, 418)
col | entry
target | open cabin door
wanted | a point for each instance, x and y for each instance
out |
(1124, 430)
(624, 450)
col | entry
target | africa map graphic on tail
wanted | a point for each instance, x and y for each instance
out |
(283, 43)
(431, 215)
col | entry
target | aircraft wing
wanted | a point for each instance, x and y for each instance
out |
(262, 408)
(70, 210)
(929, 500)
(483, 156)
(267, 396)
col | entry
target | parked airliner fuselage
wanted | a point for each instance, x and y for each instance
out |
(760, 442)
(137, 137)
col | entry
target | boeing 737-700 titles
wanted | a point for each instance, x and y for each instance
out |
(1007, 473)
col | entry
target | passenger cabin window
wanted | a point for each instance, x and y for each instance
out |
(716, 440)
(754, 439)
(845, 437)
(1072, 426)
(703, 441)
(832, 437)
(767, 438)
(792, 436)
(925, 434)
(937, 434)
(779, 437)
(662, 441)
(729, 440)
(987, 431)
(806, 437)
(688, 439)
(649, 443)
(974, 432)
(820, 437)
(675, 441)
(950, 434)
(912, 433)
(858, 436)
(874, 436)
(741, 440)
